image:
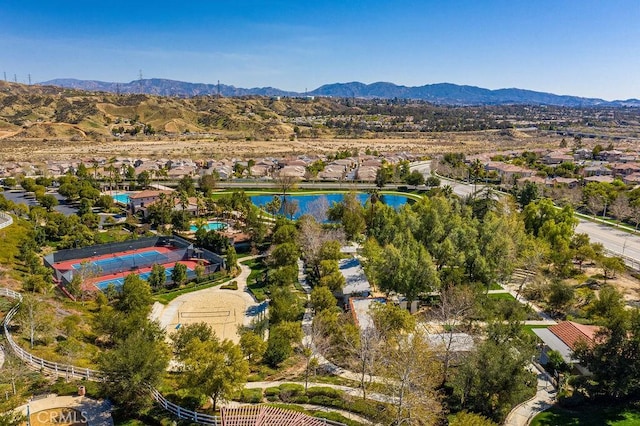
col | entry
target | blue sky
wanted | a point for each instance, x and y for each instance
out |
(577, 47)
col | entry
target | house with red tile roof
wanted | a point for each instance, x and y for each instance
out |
(564, 338)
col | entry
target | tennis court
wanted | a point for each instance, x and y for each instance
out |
(127, 261)
(119, 281)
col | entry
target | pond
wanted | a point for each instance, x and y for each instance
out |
(317, 204)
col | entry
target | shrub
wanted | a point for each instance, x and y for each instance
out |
(289, 391)
(300, 399)
(233, 285)
(251, 396)
(272, 391)
(326, 401)
(324, 391)
(292, 388)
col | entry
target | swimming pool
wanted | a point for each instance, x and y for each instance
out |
(121, 198)
(310, 204)
(209, 226)
(118, 282)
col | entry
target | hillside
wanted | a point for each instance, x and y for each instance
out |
(49, 112)
(53, 112)
(442, 93)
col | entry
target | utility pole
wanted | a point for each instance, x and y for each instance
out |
(140, 80)
(5, 76)
(218, 88)
(29, 79)
(15, 78)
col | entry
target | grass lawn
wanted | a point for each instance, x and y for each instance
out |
(254, 281)
(165, 298)
(495, 286)
(588, 416)
(528, 329)
(501, 296)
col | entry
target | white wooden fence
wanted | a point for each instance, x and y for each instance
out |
(5, 220)
(70, 371)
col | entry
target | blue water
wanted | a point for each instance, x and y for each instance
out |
(118, 282)
(121, 198)
(307, 203)
(210, 226)
(126, 261)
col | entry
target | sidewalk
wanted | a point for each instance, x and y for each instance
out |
(545, 396)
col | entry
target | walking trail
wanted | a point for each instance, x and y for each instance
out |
(544, 398)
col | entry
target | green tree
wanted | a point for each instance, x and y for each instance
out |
(144, 179)
(390, 319)
(135, 295)
(560, 296)
(528, 193)
(415, 178)
(137, 363)
(610, 303)
(232, 259)
(208, 182)
(282, 339)
(34, 318)
(322, 298)
(284, 305)
(492, 379)
(179, 273)
(185, 334)
(11, 419)
(614, 358)
(284, 254)
(214, 368)
(187, 185)
(158, 277)
(611, 265)
(48, 201)
(252, 345)
(465, 418)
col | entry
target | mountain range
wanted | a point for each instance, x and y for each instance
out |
(441, 93)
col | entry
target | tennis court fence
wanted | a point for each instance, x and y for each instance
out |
(123, 263)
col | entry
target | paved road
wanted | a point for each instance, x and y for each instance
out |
(619, 242)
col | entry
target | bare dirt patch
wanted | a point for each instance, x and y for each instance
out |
(419, 143)
(625, 283)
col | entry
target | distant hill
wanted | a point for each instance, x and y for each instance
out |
(442, 93)
(164, 87)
